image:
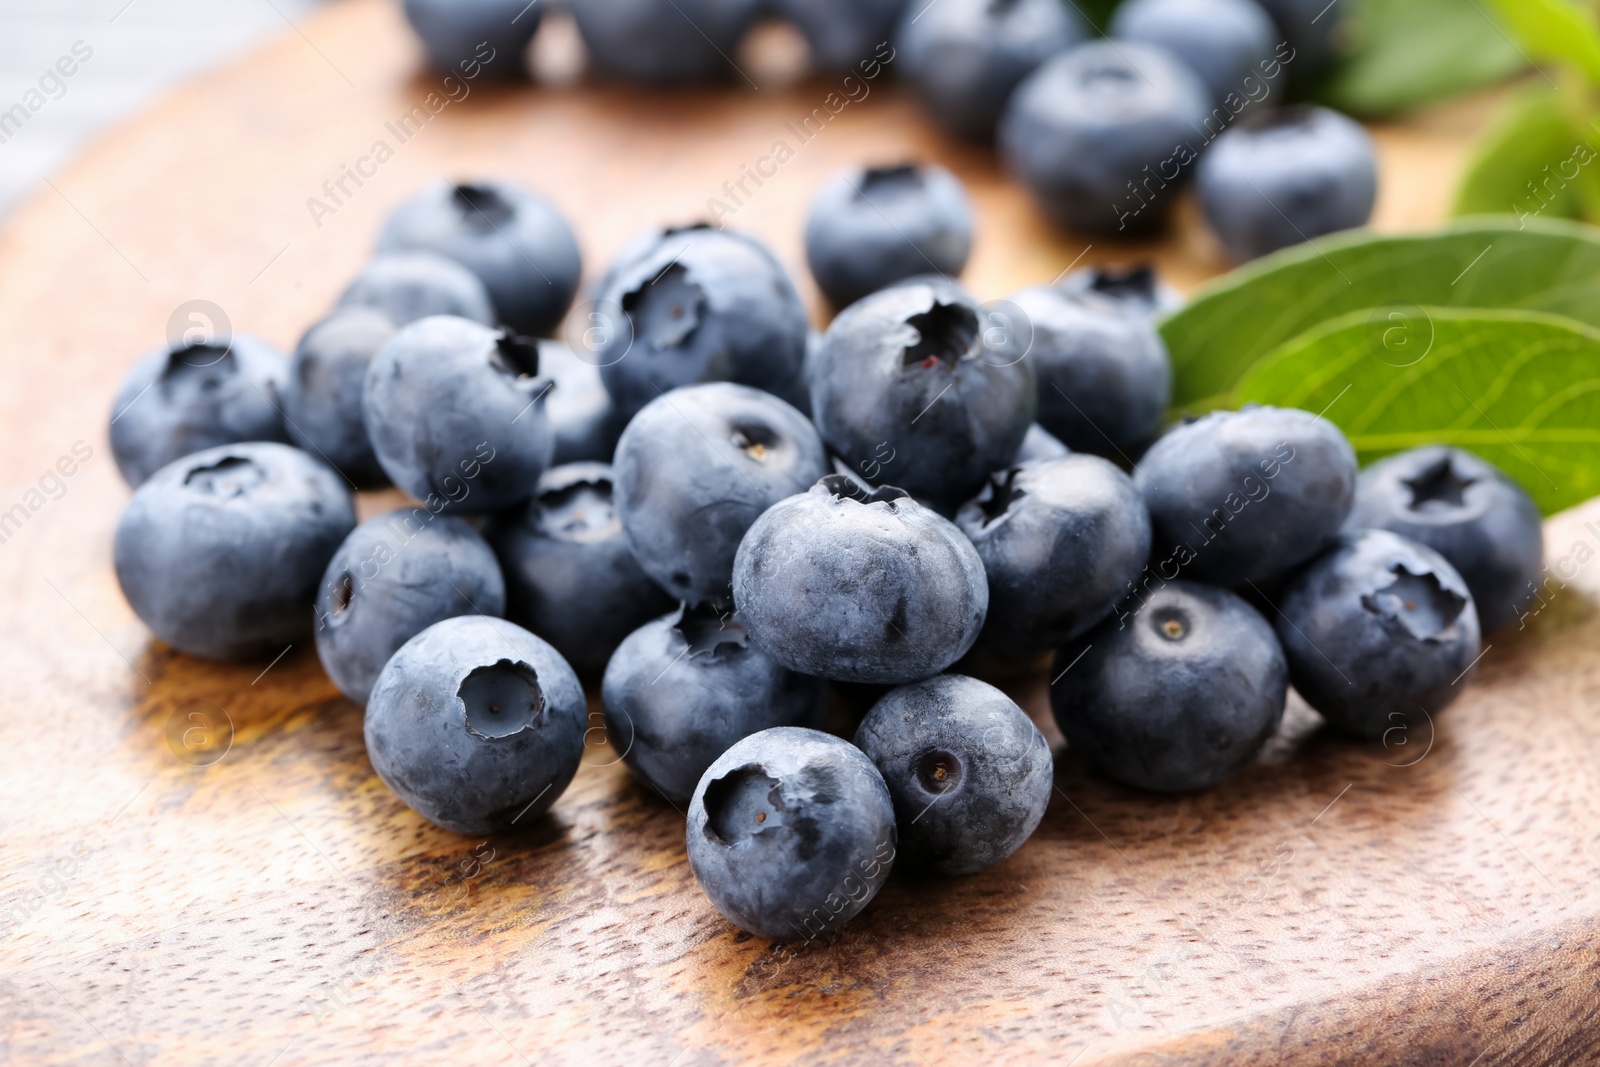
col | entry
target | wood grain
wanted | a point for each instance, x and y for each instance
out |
(1432, 902)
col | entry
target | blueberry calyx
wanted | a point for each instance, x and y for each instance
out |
(754, 440)
(741, 804)
(1419, 602)
(667, 308)
(230, 476)
(999, 493)
(183, 358)
(708, 631)
(946, 334)
(1137, 281)
(579, 510)
(1439, 487)
(938, 772)
(1171, 624)
(844, 487)
(516, 355)
(888, 180)
(482, 206)
(502, 700)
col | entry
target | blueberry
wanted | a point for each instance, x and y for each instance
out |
(1220, 40)
(682, 689)
(1100, 136)
(696, 467)
(322, 399)
(1279, 178)
(664, 42)
(964, 58)
(456, 415)
(187, 398)
(1467, 510)
(871, 227)
(407, 286)
(910, 390)
(476, 724)
(1061, 542)
(791, 833)
(1104, 377)
(514, 240)
(395, 576)
(1135, 289)
(476, 36)
(220, 552)
(699, 305)
(1177, 693)
(1041, 444)
(969, 773)
(585, 421)
(1243, 497)
(859, 587)
(844, 33)
(1378, 630)
(570, 574)
(1309, 28)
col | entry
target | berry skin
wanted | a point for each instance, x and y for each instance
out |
(1220, 40)
(1176, 693)
(322, 399)
(907, 390)
(1061, 542)
(1040, 444)
(1104, 376)
(965, 58)
(456, 415)
(1279, 178)
(407, 286)
(585, 421)
(1379, 631)
(477, 725)
(185, 399)
(1310, 28)
(791, 833)
(969, 773)
(844, 33)
(476, 36)
(665, 42)
(682, 689)
(395, 576)
(570, 576)
(220, 553)
(1135, 289)
(1241, 498)
(1467, 510)
(697, 305)
(871, 227)
(514, 240)
(859, 587)
(695, 468)
(1100, 135)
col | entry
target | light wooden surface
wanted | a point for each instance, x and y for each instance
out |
(1433, 902)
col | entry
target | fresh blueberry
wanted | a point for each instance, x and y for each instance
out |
(1136, 289)
(477, 725)
(1379, 631)
(570, 575)
(871, 227)
(1240, 498)
(1100, 136)
(395, 576)
(1061, 542)
(1041, 444)
(698, 305)
(664, 42)
(407, 286)
(1104, 377)
(220, 552)
(844, 33)
(1175, 694)
(1280, 178)
(1310, 29)
(682, 689)
(586, 422)
(185, 399)
(791, 833)
(1220, 40)
(859, 587)
(911, 391)
(1467, 510)
(476, 36)
(322, 399)
(456, 415)
(696, 467)
(964, 58)
(514, 240)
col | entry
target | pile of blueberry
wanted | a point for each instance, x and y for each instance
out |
(1105, 133)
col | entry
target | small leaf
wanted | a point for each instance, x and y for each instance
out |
(1532, 162)
(1521, 389)
(1489, 262)
(1554, 29)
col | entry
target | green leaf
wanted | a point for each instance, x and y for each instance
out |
(1554, 29)
(1532, 162)
(1521, 389)
(1491, 262)
(1411, 52)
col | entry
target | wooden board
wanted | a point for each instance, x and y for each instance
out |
(1434, 901)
